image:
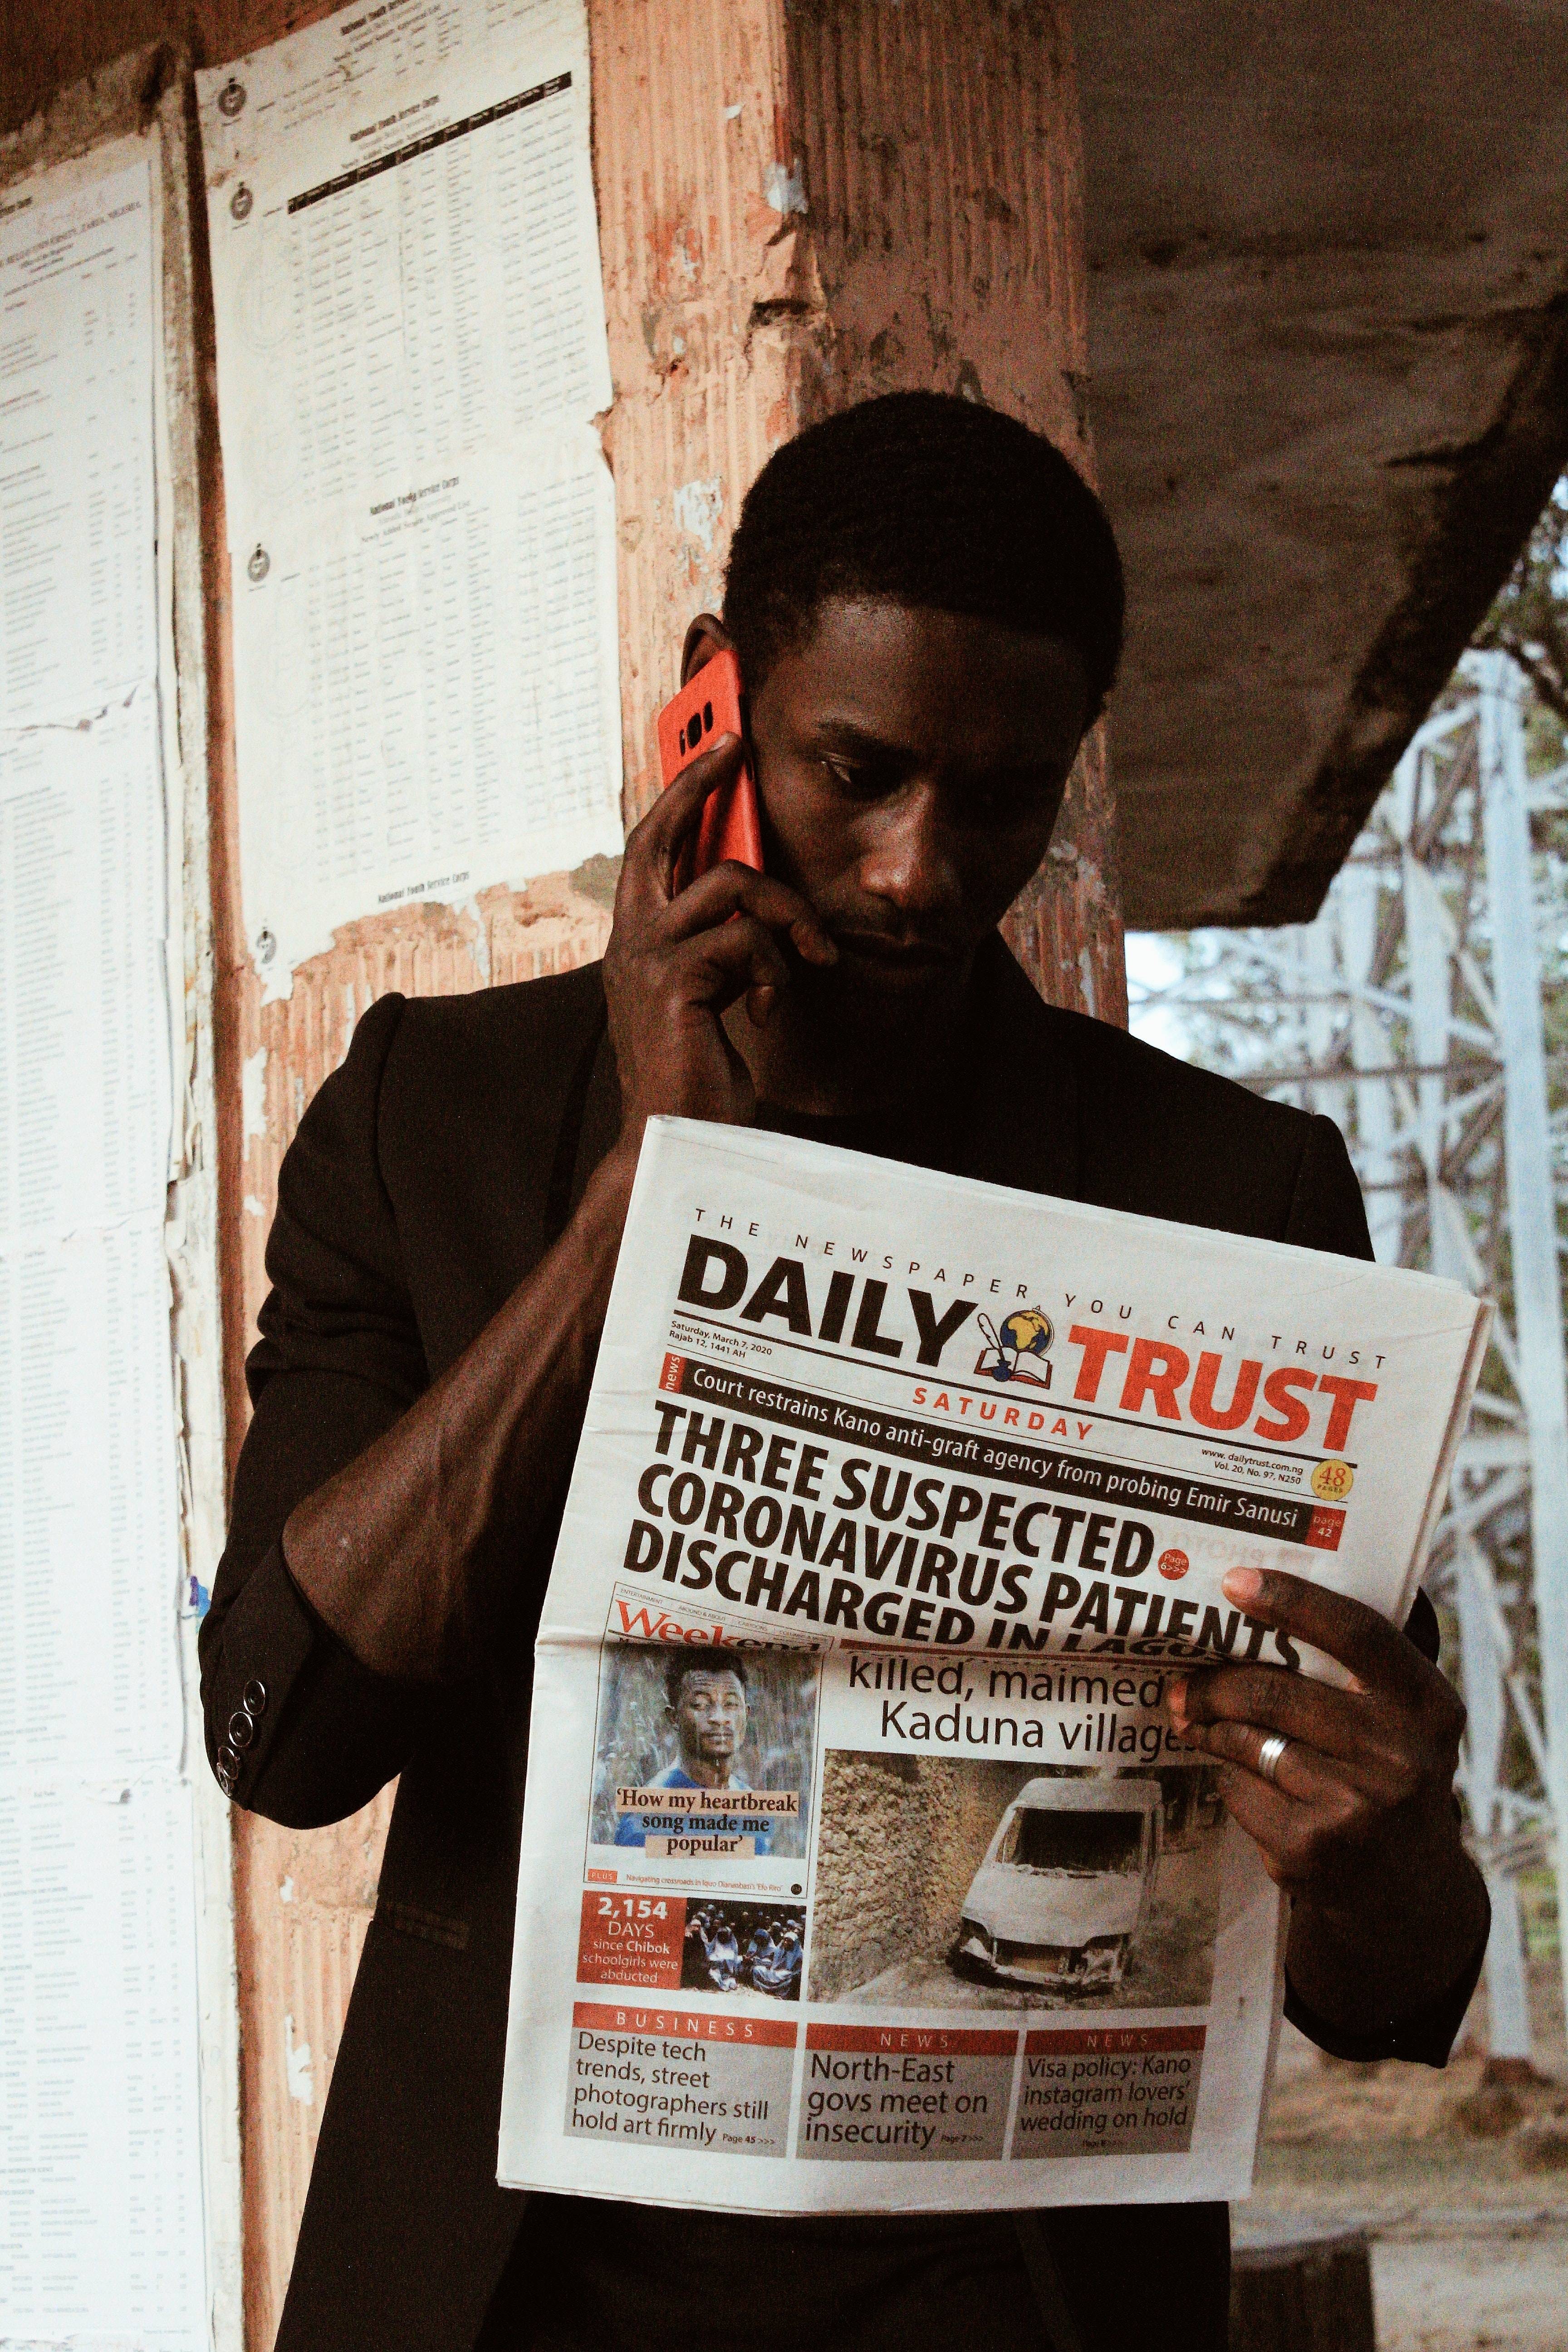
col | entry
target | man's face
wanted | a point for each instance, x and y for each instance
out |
(709, 1719)
(911, 766)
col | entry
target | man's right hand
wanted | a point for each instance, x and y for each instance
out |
(677, 961)
(411, 1553)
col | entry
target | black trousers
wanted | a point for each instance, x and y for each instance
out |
(587, 2273)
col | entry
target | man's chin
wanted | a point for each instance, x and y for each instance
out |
(889, 993)
(898, 979)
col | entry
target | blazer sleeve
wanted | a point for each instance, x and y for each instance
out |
(296, 1727)
(1327, 1212)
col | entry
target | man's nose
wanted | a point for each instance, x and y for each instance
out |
(911, 861)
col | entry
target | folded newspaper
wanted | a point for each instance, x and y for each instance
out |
(861, 1867)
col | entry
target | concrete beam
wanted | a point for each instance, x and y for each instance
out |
(1329, 343)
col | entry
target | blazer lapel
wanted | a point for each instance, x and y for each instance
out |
(1024, 1103)
(601, 1117)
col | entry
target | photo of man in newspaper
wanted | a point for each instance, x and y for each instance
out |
(957, 1885)
(705, 1753)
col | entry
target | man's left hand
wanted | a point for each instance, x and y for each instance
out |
(1358, 1821)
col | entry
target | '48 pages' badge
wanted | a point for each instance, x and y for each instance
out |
(1331, 1481)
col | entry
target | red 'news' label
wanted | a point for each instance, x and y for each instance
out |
(1114, 2040)
(896, 2040)
(673, 1372)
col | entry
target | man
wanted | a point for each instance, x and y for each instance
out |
(926, 605)
(706, 1704)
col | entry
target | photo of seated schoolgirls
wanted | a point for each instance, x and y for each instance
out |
(743, 1947)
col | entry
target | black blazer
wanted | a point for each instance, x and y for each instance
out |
(429, 1174)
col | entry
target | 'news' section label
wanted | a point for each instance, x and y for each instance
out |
(893, 2095)
(1109, 2091)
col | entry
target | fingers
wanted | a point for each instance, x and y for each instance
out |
(729, 889)
(739, 957)
(647, 890)
(1376, 1746)
(1290, 1835)
(1272, 1700)
(1303, 1774)
(1363, 1769)
(648, 872)
(1376, 1651)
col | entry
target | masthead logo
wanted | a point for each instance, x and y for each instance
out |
(1025, 1335)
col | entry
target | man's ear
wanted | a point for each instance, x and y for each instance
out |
(705, 637)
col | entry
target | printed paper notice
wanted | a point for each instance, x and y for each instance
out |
(76, 586)
(100, 2153)
(411, 352)
(84, 1023)
(100, 2125)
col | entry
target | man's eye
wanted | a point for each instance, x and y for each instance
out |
(857, 779)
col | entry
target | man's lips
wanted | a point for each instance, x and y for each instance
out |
(894, 955)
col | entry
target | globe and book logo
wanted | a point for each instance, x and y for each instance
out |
(1018, 1348)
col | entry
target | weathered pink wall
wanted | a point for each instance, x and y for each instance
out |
(944, 245)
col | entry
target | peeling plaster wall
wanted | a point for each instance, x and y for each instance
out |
(943, 243)
(306, 1899)
(798, 208)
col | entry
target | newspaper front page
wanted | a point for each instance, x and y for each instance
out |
(861, 1868)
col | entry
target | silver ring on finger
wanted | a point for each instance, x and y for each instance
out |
(1271, 1756)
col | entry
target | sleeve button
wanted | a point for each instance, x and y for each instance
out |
(253, 1697)
(241, 1728)
(229, 1761)
(225, 1779)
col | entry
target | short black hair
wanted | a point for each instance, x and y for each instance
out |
(923, 499)
(681, 1662)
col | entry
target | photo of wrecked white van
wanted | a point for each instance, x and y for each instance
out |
(948, 1881)
(1064, 1887)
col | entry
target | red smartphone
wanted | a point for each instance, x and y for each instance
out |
(729, 826)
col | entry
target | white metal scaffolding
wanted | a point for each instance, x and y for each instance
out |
(1411, 1013)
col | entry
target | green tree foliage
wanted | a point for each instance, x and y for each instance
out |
(1529, 620)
